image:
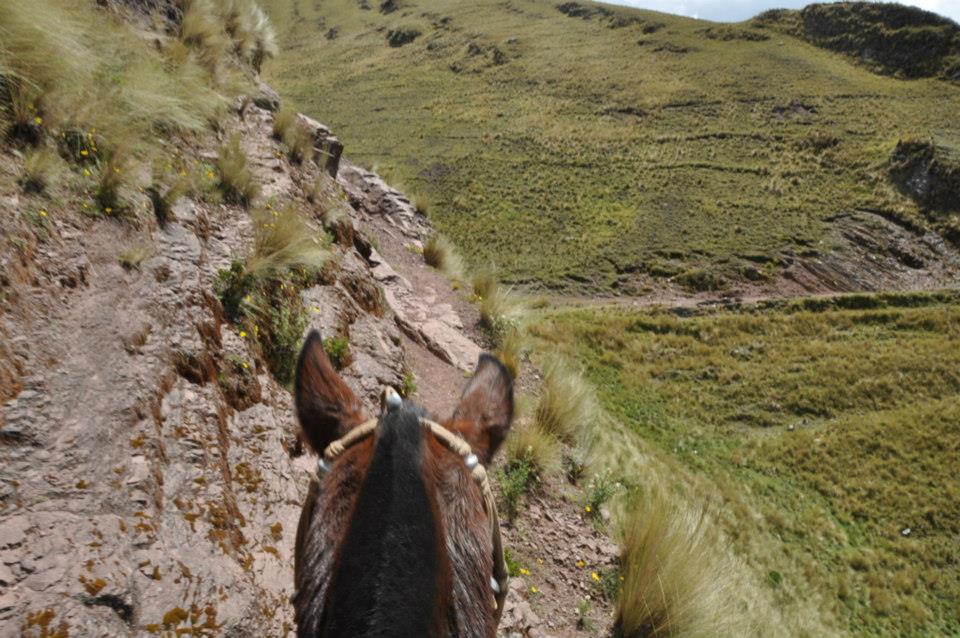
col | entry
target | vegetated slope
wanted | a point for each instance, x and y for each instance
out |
(828, 430)
(890, 38)
(580, 146)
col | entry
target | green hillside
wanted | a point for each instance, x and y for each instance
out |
(828, 430)
(581, 146)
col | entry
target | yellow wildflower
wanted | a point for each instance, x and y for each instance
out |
(595, 576)
(587, 509)
(243, 335)
(316, 310)
(245, 366)
(108, 210)
(43, 213)
(581, 564)
(533, 590)
(84, 152)
(38, 120)
(86, 172)
(524, 571)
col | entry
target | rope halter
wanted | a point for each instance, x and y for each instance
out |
(389, 401)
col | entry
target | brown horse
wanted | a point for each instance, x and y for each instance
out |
(398, 535)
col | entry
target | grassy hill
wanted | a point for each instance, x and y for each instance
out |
(582, 146)
(827, 432)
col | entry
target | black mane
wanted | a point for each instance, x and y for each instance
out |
(385, 583)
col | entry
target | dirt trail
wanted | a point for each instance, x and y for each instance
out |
(555, 545)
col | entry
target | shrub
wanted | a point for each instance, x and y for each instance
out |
(601, 489)
(409, 386)
(286, 319)
(237, 181)
(294, 134)
(566, 402)
(202, 31)
(41, 167)
(338, 349)
(698, 280)
(671, 582)
(515, 480)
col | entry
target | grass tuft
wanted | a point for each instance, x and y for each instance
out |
(112, 177)
(284, 240)
(541, 451)
(236, 179)
(439, 253)
(566, 404)
(294, 134)
(132, 257)
(510, 349)
(670, 586)
(41, 167)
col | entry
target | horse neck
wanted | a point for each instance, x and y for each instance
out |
(392, 573)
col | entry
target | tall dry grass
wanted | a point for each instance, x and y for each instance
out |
(283, 239)
(567, 405)
(675, 578)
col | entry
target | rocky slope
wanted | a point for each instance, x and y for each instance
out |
(150, 477)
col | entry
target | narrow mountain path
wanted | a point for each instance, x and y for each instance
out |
(556, 549)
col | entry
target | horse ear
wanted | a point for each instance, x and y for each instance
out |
(485, 411)
(326, 407)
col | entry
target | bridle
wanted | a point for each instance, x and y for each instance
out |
(389, 401)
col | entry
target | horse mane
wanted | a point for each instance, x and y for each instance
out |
(389, 575)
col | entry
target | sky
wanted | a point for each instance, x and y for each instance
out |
(737, 10)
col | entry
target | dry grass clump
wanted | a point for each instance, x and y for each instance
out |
(566, 404)
(216, 29)
(236, 179)
(510, 349)
(529, 444)
(112, 177)
(67, 65)
(132, 257)
(294, 134)
(439, 253)
(672, 582)
(284, 240)
(250, 29)
(499, 307)
(41, 167)
(330, 201)
(484, 283)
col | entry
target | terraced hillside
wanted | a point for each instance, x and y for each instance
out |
(585, 147)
